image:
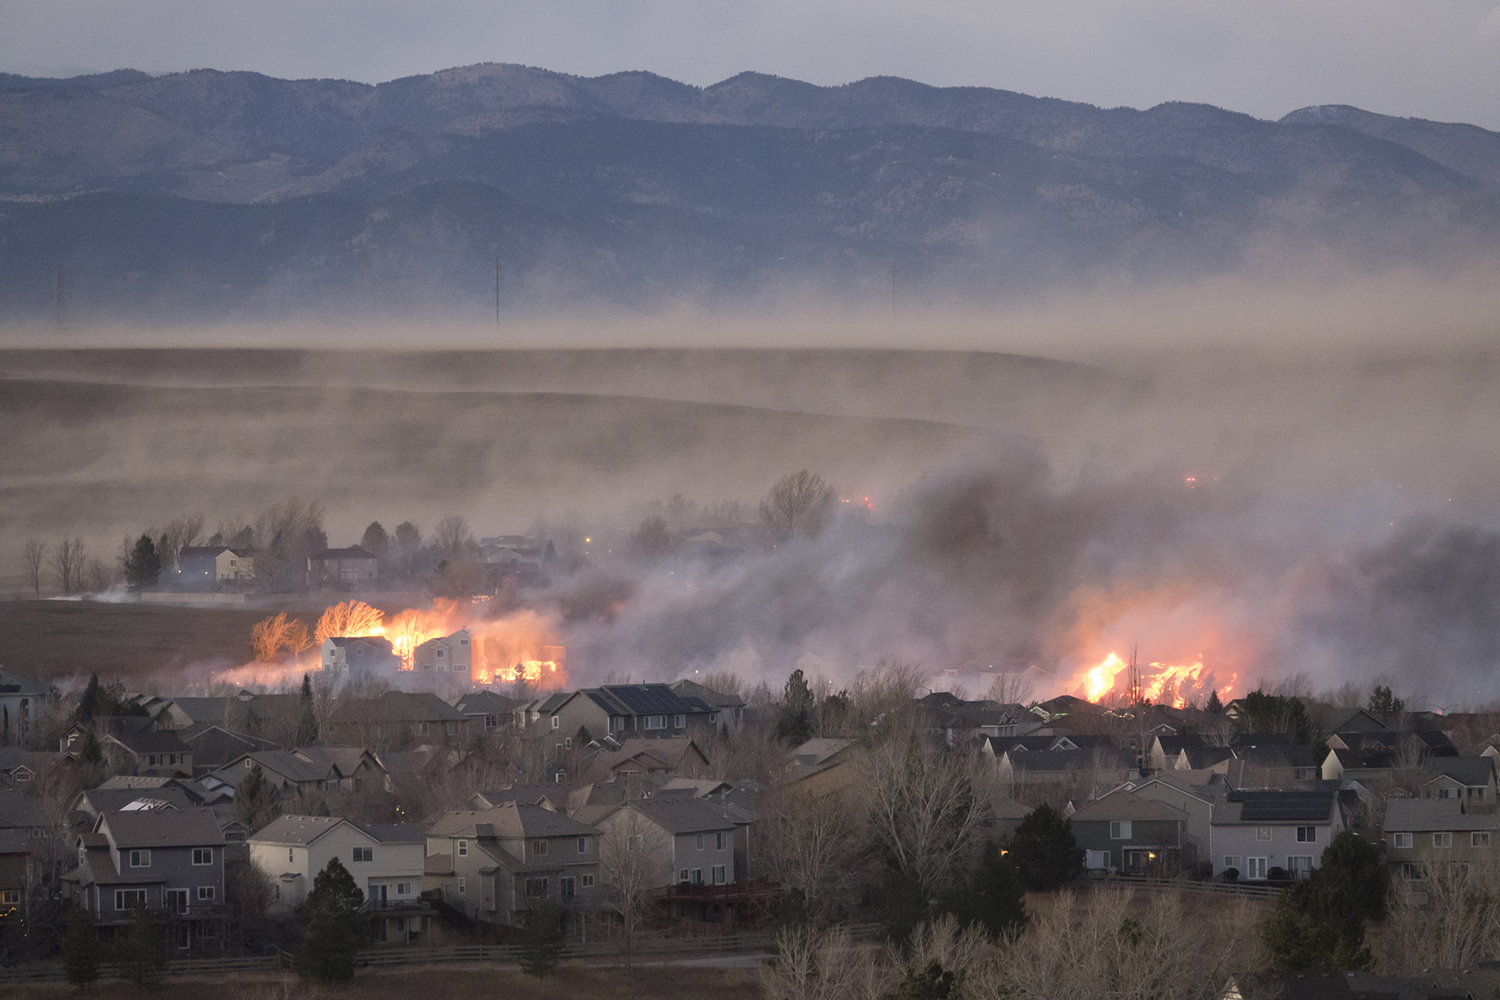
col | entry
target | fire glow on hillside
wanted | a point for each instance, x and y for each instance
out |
(1177, 684)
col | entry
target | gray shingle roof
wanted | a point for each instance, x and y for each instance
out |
(174, 828)
(509, 820)
(299, 829)
(1427, 815)
(684, 815)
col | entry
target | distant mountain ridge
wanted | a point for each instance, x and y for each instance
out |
(631, 186)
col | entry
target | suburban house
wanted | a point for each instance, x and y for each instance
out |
(490, 863)
(170, 861)
(822, 766)
(1077, 771)
(487, 710)
(669, 755)
(385, 860)
(395, 718)
(1469, 778)
(359, 656)
(288, 773)
(1122, 832)
(729, 708)
(210, 567)
(19, 767)
(213, 747)
(342, 569)
(146, 751)
(1194, 799)
(957, 719)
(1425, 836)
(1256, 831)
(22, 702)
(696, 840)
(617, 710)
(447, 660)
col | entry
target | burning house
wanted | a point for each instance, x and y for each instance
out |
(350, 657)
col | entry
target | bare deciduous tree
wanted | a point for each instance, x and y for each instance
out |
(452, 537)
(636, 859)
(269, 638)
(797, 504)
(347, 618)
(68, 562)
(1110, 946)
(1444, 917)
(100, 576)
(812, 845)
(33, 558)
(825, 966)
(928, 808)
(179, 533)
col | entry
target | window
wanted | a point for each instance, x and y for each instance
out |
(536, 887)
(460, 885)
(679, 721)
(1479, 839)
(1255, 867)
(718, 874)
(1442, 840)
(463, 642)
(203, 855)
(140, 859)
(721, 841)
(1307, 835)
(1476, 793)
(10, 897)
(568, 886)
(440, 654)
(1300, 865)
(403, 888)
(463, 848)
(568, 743)
(126, 898)
(1409, 870)
(698, 842)
(588, 881)
(656, 722)
(423, 728)
(583, 845)
(1234, 861)
(696, 876)
(364, 854)
(205, 894)
(1262, 833)
(539, 848)
(682, 876)
(1402, 840)
(289, 854)
(1119, 829)
(556, 722)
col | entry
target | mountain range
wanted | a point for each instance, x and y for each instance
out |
(238, 196)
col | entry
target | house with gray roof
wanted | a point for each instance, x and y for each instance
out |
(697, 840)
(491, 863)
(1123, 832)
(170, 861)
(1424, 836)
(1256, 831)
(1471, 779)
(386, 861)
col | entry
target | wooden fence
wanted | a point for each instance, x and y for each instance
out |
(1255, 890)
(645, 950)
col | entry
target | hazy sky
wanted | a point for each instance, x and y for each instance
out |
(1435, 59)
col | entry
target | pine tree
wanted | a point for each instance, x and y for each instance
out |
(307, 725)
(1044, 850)
(80, 947)
(796, 723)
(256, 802)
(1214, 704)
(994, 898)
(141, 954)
(143, 565)
(541, 939)
(88, 702)
(334, 927)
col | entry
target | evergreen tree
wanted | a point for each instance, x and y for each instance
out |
(141, 954)
(1320, 923)
(307, 724)
(795, 725)
(375, 541)
(1384, 705)
(143, 565)
(80, 947)
(1044, 851)
(931, 983)
(541, 939)
(1214, 704)
(335, 929)
(256, 801)
(89, 750)
(89, 701)
(994, 897)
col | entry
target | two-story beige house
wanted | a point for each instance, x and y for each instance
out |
(491, 863)
(1424, 837)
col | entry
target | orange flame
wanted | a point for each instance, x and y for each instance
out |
(1160, 682)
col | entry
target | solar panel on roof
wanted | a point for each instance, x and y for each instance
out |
(648, 699)
(1266, 806)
